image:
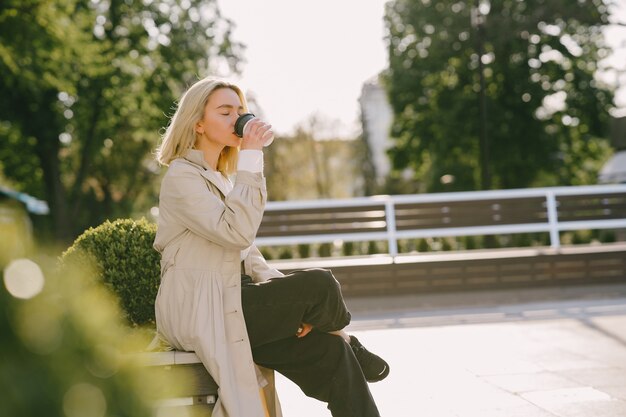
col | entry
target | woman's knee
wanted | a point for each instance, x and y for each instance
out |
(335, 346)
(324, 279)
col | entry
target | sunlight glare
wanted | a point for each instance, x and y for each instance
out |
(23, 278)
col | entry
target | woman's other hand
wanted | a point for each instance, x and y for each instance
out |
(256, 134)
(304, 330)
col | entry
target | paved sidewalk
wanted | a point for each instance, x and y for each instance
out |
(533, 353)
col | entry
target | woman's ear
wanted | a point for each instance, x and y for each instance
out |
(200, 128)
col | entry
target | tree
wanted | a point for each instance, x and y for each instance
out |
(88, 84)
(365, 159)
(546, 114)
(305, 166)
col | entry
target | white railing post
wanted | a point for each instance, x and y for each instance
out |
(390, 215)
(553, 219)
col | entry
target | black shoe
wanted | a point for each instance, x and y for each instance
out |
(373, 366)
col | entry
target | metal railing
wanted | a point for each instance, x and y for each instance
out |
(560, 209)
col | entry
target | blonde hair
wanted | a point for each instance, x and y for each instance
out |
(180, 134)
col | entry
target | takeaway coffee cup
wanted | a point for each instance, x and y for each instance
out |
(242, 122)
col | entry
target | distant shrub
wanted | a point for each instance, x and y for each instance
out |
(469, 242)
(607, 236)
(325, 250)
(423, 245)
(348, 248)
(491, 242)
(125, 261)
(285, 253)
(372, 248)
(304, 250)
(267, 254)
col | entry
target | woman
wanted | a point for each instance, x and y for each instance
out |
(205, 235)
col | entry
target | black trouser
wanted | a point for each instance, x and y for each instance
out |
(321, 364)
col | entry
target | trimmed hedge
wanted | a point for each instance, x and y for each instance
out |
(125, 261)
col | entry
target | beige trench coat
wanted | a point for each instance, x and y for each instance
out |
(204, 224)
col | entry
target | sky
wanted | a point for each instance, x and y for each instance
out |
(309, 57)
(305, 58)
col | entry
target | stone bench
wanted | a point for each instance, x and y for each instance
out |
(184, 386)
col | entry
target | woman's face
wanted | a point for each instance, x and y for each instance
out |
(218, 122)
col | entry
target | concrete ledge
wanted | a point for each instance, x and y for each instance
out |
(473, 270)
(383, 259)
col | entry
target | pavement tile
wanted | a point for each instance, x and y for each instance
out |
(614, 359)
(618, 392)
(597, 377)
(550, 399)
(556, 329)
(567, 362)
(502, 366)
(569, 365)
(590, 409)
(613, 325)
(518, 383)
(550, 352)
(526, 410)
(478, 395)
(604, 352)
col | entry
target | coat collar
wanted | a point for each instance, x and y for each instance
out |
(216, 178)
(196, 156)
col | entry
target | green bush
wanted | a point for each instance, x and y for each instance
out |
(607, 236)
(348, 248)
(372, 248)
(304, 250)
(267, 254)
(125, 261)
(423, 245)
(285, 253)
(325, 250)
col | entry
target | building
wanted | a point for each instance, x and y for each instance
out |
(614, 171)
(376, 118)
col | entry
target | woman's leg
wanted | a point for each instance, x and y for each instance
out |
(325, 368)
(275, 309)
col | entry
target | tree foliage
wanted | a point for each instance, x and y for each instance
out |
(547, 116)
(305, 166)
(86, 86)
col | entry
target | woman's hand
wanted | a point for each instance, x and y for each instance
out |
(304, 329)
(256, 134)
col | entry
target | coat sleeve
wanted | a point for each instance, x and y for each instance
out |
(231, 223)
(257, 267)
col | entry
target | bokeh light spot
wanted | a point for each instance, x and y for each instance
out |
(84, 400)
(23, 278)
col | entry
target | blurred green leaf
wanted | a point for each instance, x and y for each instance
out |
(66, 352)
